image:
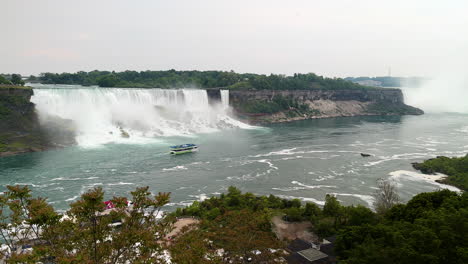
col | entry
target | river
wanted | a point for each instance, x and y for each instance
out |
(304, 159)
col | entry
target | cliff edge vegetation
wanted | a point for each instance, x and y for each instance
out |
(199, 79)
(272, 106)
(456, 170)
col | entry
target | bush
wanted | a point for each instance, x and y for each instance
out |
(293, 214)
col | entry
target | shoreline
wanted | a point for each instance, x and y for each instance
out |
(430, 178)
(301, 118)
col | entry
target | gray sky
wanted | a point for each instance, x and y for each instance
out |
(331, 38)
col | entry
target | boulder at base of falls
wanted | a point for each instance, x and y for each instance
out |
(124, 133)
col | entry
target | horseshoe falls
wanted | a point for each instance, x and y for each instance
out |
(119, 115)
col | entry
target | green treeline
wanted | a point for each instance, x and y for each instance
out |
(430, 228)
(11, 79)
(199, 79)
(455, 168)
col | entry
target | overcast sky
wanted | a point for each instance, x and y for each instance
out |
(332, 38)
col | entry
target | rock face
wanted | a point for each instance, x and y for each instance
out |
(20, 130)
(321, 104)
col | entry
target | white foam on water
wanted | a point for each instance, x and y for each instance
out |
(291, 151)
(73, 179)
(120, 183)
(32, 184)
(366, 198)
(184, 187)
(200, 197)
(182, 203)
(303, 187)
(72, 198)
(312, 186)
(463, 129)
(176, 168)
(101, 114)
(402, 175)
(322, 177)
(269, 164)
(277, 153)
(337, 173)
(305, 199)
(249, 176)
(404, 156)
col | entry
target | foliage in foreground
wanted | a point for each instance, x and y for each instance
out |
(240, 224)
(455, 168)
(235, 236)
(430, 228)
(86, 234)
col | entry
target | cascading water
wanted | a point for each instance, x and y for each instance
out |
(105, 115)
(225, 98)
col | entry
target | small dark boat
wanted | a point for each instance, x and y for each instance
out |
(182, 149)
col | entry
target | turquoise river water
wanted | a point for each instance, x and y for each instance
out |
(304, 159)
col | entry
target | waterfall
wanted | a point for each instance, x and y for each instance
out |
(105, 115)
(225, 98)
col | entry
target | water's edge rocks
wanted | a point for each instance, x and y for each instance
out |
(20, 130)
(274, 106)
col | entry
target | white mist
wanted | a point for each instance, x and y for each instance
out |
(447, 91)
(99, 114)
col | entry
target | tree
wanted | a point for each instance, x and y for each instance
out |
(4, 80)
(87, 233)
(332, 206)
(109, 80)
(22, 219)
(16, 79)
(239, 232)
(385, 197)
(430, 228)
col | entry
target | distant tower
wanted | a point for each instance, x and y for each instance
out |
(389, 71)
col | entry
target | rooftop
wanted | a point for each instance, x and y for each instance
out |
(312, 254)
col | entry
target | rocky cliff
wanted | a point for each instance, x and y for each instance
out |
(20, 129)
(269, 106)
(19, 125)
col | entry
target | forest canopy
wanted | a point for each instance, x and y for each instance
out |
(197, 79)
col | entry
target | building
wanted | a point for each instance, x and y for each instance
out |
(304, 252)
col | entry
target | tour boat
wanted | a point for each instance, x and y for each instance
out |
(182, 149)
